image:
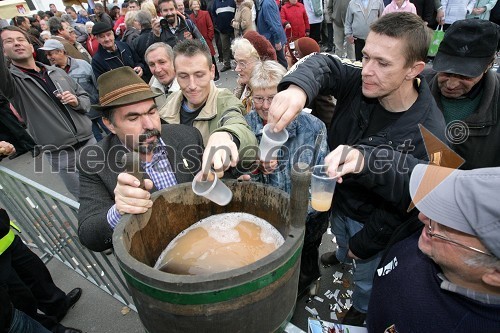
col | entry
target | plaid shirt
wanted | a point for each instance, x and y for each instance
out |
(159, 171)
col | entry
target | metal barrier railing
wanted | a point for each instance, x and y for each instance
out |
(49, 223)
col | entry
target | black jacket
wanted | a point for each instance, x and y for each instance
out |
(328, 75)
(480, 146)
(104, 61)
(99, 166)
(184, 25)
(140, 45)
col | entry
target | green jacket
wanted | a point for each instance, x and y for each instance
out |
(222, 112)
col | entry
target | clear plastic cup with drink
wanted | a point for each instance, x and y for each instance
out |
(212, 188)
(322, 188)
(271, 142)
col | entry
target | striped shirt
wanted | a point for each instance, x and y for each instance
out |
(159, 171)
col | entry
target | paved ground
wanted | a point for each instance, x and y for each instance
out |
(98, 312)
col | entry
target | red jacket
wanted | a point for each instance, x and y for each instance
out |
(204, 24)
(92, 45)
(297, 17)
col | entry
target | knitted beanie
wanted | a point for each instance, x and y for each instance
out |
(306, 46)
(261, 44)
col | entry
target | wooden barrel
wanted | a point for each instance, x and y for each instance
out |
(256, 298)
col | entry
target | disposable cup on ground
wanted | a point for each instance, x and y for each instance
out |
(271, 142)
(322, 188)
(213, 189)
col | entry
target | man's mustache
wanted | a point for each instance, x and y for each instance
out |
(148, 134)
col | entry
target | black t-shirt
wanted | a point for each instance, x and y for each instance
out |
(380, 119)
(187, 115)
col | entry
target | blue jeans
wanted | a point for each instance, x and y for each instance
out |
(21, 322)
(363, 270)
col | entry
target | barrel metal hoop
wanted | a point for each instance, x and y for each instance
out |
(213, 296)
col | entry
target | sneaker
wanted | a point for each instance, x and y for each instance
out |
(329, 258)
(354, 317)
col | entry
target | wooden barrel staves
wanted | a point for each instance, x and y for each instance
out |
(257, 298)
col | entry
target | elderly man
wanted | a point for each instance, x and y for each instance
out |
(81, 72)
(52, 104)
(468, 91)
(160, 60)
(173, 28)
(450, 270)
(112, 54)
(216, 112)
(58, 32)
(381, 103)
(132, 117)
(144, 40)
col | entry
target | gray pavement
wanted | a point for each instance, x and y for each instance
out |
(97, 311)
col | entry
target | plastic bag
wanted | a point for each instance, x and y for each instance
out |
(436, 39)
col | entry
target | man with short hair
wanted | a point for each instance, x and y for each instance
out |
(52, 104)
(446, 276)
(54, 10)
(58, 32)
(81, 34)
(133, 5)
(380, 104)
(81, 72)
(144, 40)
(173, 28)
(101, 15)
(467, 90)
(112, 53)
(160, 60)
(169, 155)
(215, 112)
(75, 16)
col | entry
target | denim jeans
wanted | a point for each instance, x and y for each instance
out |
(363, 270)
(21, 322)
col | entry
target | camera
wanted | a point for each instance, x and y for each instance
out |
(164, 23)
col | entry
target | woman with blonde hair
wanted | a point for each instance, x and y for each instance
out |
(150, 7)
(133, 28)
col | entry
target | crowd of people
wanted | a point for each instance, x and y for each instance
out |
(84, 89)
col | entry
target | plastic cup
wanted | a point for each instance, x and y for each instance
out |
(322, 188)
(213, 189)
(58, 94)
(271, 142)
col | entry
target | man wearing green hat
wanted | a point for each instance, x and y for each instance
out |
(169, 155)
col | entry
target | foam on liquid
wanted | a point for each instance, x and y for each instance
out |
(219, 243)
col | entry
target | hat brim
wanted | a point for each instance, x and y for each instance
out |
(437, 186)
(128, 99)
(470, 67)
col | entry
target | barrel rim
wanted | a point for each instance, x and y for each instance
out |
(224, 279)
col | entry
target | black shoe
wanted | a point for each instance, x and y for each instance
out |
(63, 329)
(73, 296)
(354, 317)
(329, 258)
(225, 68)
(328, 49)
(72, 330)
(108, 252)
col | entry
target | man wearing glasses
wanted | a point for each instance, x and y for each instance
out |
(445, 278)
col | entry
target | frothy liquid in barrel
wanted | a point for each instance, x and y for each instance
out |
(219, 243)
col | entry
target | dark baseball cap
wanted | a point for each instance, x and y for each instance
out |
(100, 27)
(468, 48)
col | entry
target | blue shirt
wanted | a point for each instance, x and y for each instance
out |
(159, 171)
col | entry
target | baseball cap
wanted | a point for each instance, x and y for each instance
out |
(52, 44)
(466, 200)
(100, 27)
(468, 48)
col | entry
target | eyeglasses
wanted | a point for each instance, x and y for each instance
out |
(243, 64)
(261, 100)
(446, 239)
